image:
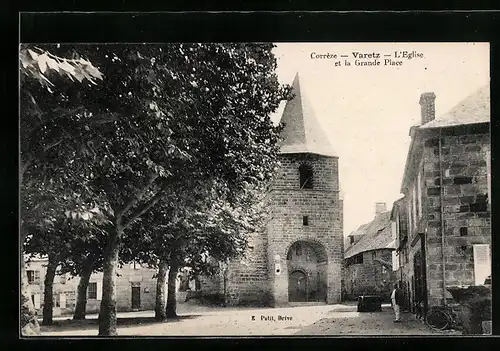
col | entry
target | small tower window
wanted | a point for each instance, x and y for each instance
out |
(306, 176)
(305, 220)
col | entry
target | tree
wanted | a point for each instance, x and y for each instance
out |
(167, 115)
(39, 71)
(188, 231)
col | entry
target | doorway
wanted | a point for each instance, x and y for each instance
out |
(420, 279)
(136, 297)
(297, 286)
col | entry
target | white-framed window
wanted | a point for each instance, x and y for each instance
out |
(33, 276)
(92, 291)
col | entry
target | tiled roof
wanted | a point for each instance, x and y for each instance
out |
(473, 109)
(302, 132)
(376, 235)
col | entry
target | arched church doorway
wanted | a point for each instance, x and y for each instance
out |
(307, 264)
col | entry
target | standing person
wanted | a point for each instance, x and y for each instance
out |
(397, 301)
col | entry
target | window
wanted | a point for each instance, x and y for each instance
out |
(352, 240)
(384, 270)
(374, 254)
(358, 259)
(92, 291)
(62, 278)
(305, 220)
(33, 277)
(306, 176)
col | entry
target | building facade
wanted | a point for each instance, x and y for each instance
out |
(135, 288)
(368, 260)
(443, 225)
(298, 256)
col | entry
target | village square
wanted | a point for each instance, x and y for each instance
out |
(213, 190)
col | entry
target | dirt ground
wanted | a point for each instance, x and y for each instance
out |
(373, 323)
(339, 319)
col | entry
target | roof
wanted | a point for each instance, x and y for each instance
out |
(376, 235)
(395, 204)
(473, 109)
(302, 132)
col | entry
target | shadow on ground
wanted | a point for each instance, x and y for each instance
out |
(87, 324)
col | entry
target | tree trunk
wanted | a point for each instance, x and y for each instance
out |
(81, 298)
(160, 308)
(107, 312)
(171, 301)
(48, 292)
(29, 322)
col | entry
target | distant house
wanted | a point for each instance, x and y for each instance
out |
(443, 225)
(368, 261)
(135, 288)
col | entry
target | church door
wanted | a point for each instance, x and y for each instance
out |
(297, 287)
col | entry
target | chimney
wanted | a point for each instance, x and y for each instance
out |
(427, 107)
(380, 207)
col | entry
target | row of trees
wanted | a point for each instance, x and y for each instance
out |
(152, 153)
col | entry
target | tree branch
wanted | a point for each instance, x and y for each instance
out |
(146, 206)
(131, 202)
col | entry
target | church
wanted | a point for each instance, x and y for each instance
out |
(298, 258)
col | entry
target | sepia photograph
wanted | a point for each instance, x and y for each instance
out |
(255, 189)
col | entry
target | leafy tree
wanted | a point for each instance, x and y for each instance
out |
(167, 116)
(188, 231)
(40, 71)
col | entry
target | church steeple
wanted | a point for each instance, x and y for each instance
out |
(302, 132)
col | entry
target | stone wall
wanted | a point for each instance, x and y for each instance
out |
(247, 278)
(253, 279)
(465, 208)
(370, 277)
(323, 230)
(67, 285)
(466, 213)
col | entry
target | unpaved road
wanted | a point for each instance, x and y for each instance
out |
(310, 320)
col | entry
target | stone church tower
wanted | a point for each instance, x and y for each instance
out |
(305, 235)
(298, 258)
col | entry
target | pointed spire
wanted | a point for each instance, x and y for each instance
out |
(302, 132)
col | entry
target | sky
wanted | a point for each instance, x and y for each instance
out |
(367, 111)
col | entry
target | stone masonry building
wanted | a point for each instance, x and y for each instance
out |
(135, 287)
(298, 257)
(443, 225)
(368, 259)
